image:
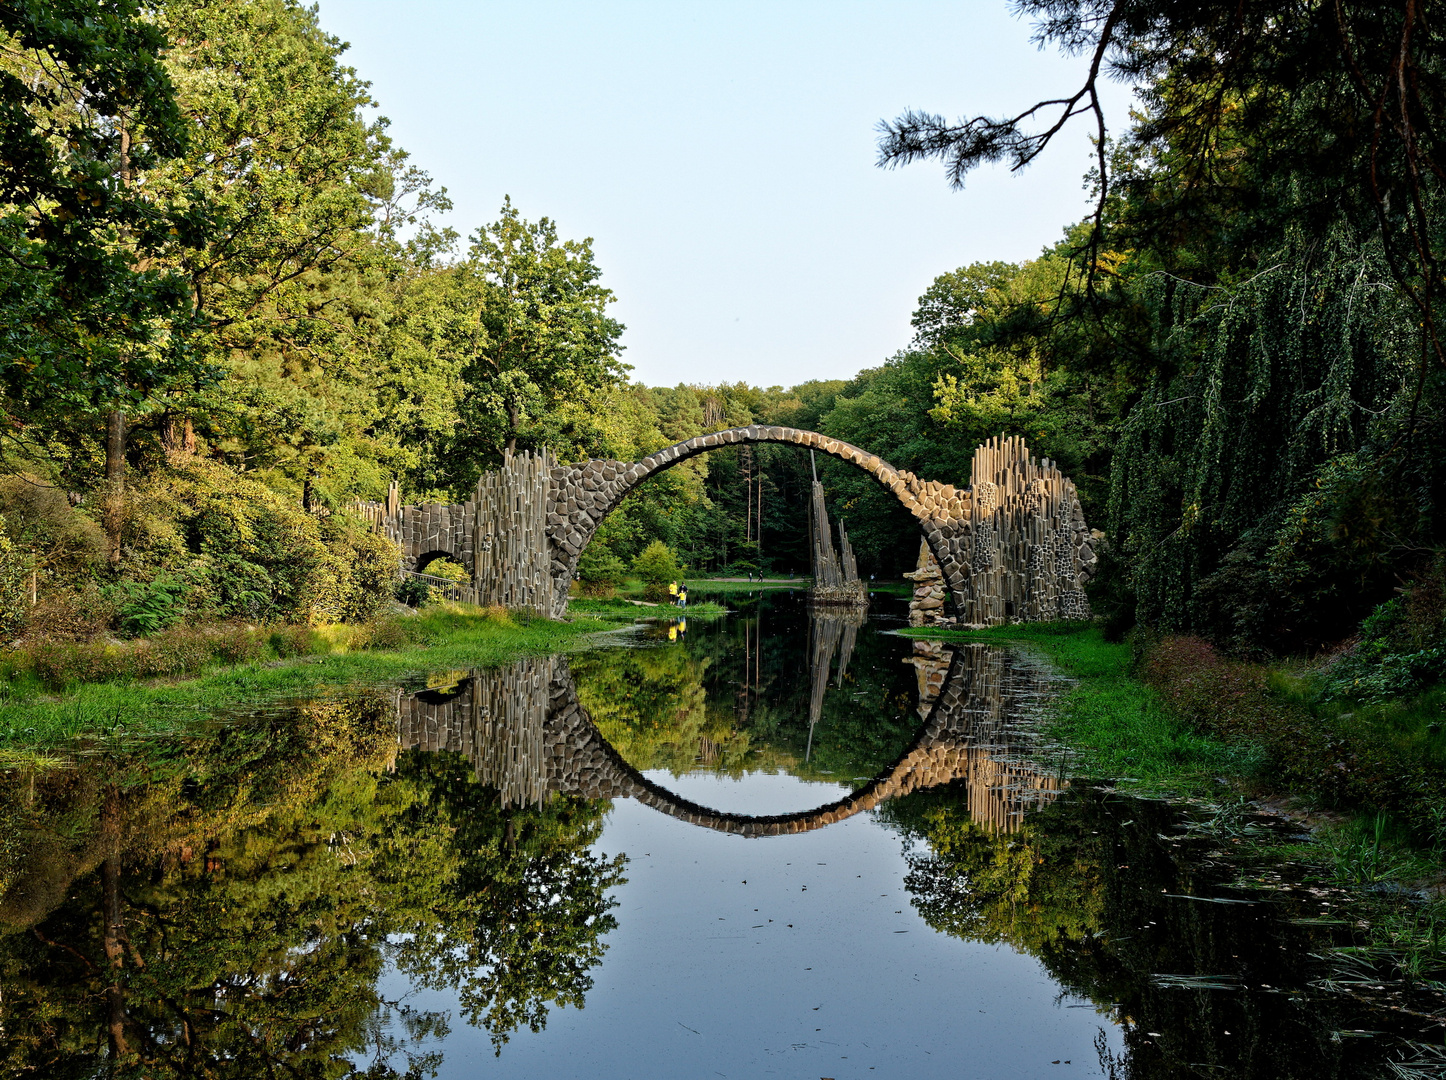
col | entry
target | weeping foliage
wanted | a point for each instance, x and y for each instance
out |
(1280, 403)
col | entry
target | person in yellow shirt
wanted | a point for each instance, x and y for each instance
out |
(673, 590)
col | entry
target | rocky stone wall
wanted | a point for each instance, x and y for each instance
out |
(927, 605)
(424, 530)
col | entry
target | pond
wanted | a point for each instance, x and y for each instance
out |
(779, 843)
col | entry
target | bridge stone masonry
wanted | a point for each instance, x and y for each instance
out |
(1014, 547)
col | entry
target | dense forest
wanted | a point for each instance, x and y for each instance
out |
(229, 312)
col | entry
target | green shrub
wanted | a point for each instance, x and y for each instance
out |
(15, 570)
(248, 552)
(599, 570)
(448, 570)
(656, 566)
(1402, 645)
(1335, 549)
(363, 571)
(413, 592)
(148, 607)
(67, 545)
(79, 612)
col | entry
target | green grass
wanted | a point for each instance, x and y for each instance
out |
(443, 638)
(609, 608)
(1121, 728)
(715, 587)
(1413, 723)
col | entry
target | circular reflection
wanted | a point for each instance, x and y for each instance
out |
(770, 721)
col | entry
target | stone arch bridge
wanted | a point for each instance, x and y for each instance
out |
(1013, 547)
(526, 734)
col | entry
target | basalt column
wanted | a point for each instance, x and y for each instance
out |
(513, 560)
(1030, 552)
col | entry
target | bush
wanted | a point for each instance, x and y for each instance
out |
(74, 612)
(1401, 649)
(1329, 757)
(246, 551)
(365, 567)
(414, 592)
(1336, 551)
(14, 585)
(448, 570)
(599, 570)
(656, 566)
(67, 544)
(145, 608)
(188, 650)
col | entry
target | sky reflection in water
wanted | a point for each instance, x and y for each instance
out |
(834, 973)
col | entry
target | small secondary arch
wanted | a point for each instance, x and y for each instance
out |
(426, 559)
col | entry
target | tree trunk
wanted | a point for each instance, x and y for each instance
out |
(114, 995)
(512, 421)
(115, 482)
(178, 436)
(115, 434)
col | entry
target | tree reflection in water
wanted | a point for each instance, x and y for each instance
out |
(1128, 909)
(226, 908)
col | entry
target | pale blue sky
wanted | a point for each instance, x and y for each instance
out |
(721, 156)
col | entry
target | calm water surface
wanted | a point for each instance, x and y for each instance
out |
(775, 844)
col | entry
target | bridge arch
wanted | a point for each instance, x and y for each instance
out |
(1014, 547)
(427, 558)
(582, 495)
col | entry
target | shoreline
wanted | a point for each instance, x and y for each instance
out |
(34, 720)
(1130, 737)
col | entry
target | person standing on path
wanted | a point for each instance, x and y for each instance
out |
(683, 595)
(673, 592)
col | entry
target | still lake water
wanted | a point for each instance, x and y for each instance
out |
(773, 844)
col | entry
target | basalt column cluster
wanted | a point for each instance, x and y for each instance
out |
(835, 571)
(1030, 551)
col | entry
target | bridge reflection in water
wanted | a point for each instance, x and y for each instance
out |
(526, 734)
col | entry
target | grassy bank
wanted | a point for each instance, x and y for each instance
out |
(724, 586)
(586, 606)
(1122, 728)
(34, 716)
